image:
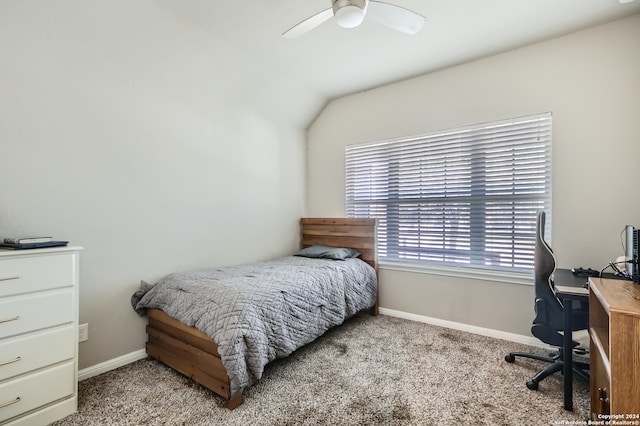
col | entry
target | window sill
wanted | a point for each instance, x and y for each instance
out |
(449, 271)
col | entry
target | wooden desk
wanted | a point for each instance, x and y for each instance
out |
(614, 328)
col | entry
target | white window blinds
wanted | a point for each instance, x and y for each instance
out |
(464, 197)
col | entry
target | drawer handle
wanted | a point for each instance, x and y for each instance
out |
(6, 404)
(17, 317)
(11, 361)
(16, 277)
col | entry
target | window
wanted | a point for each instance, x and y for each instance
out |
(464, 197)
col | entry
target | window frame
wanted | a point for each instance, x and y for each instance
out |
(479, 177)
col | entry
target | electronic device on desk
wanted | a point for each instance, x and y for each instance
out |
(585, 272)
(631, 252)
(626, 267)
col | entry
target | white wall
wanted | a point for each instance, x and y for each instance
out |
(148, 142)
(588, 80)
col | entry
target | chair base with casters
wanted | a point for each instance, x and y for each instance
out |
(556, 364)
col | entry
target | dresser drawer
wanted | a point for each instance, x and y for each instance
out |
(36, 390)
(22, 314)
(26, 274)
(31, 351)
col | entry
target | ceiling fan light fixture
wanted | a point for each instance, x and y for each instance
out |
(349, 13)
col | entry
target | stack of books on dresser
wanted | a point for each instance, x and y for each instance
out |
(31, 243)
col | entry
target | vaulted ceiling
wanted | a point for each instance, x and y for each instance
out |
(331, 61)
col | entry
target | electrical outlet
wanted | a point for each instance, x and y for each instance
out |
(83, 332)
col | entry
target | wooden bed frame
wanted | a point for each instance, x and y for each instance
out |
(194, 354)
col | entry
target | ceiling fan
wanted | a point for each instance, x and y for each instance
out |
(351, 13)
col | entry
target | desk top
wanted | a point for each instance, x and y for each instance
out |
(617, 295)
(570, 286)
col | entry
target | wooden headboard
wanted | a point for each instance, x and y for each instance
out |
(359, 234)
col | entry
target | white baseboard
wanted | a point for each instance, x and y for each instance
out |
(511, 337)
(111, 364)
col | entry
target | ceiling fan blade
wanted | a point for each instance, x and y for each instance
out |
(396, 17)
(308, 24)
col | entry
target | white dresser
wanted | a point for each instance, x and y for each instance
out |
(38, 335)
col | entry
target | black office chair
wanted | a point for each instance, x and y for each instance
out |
(548, 323)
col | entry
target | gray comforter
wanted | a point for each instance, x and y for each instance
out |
(259, 312)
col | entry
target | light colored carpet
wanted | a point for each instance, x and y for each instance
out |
(369, 371)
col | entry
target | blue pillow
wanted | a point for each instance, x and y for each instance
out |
(321, 251)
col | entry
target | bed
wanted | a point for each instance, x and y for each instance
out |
(189, 346)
